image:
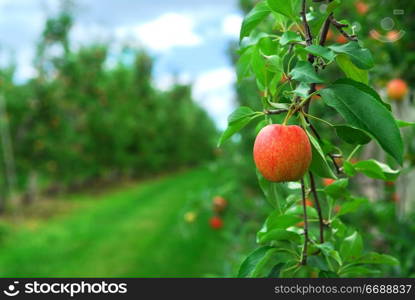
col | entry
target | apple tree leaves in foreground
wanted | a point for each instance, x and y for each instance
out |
(284, 46)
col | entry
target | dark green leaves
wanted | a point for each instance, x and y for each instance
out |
(274, 192)
(321, 51)
(319, 164)
(304, 72)
(289, 9)
(350, 70)
(351, 247)
(290, 37)
(373, 169)
(352, 135)
(238, 120)
(363, 110)
(243, 66)
(249, 267)
(253, 18)
(361, 57)
(376, 258)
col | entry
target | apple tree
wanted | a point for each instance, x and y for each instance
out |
(285, 47)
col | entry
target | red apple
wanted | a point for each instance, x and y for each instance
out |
(341, 39)
(216, 223)
(282, 153)
(219, 204)
(397, 89)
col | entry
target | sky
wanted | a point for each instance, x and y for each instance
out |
(188, 39)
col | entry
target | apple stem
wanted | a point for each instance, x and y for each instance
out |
(304, 253)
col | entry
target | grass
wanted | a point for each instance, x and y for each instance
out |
(134, 231)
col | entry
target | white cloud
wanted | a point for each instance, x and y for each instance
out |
(167, 31)
(214, 91)
(231, 25)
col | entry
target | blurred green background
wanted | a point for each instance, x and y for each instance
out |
(109, 117)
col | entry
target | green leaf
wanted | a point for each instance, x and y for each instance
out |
(351, 247)
(249, 265)
(317, 262)
(244, 63)
(367, 89)
(319, 163)
(350, 70)
(302, 90)
(337, 188)
(376, 258)
(361, 57)
(290, 37)
(238, 120)
(304, 72)
(278, 221)
(402, 124)
(273, 63)
(260, 125)
(375, 169)
(289, 9)
(321, 51)
(240, 113)
(351, 206)
(259, 67)
(359, 271)
(328, 250)
(253, 18)
(297, 210)
(362, 110)
(352, 135)
(327, 274)
(278, 235)
(274, 192)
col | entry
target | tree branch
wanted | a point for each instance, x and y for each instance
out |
(304, 253)
(318, 207)
(308, 35)
(275, 111)
(340, 27)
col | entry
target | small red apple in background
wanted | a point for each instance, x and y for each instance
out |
(341, 39)
(219, 204)
(397, 89)
(308, 202)
(389, 183)
(361, 7)
(282, 153)
(300, 224)
(393, 35)
(328, 181)
(216, 222)
(330, 35)
(395, 197)
(318, 87)
(337, 208)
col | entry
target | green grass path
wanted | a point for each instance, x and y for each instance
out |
(133, 231)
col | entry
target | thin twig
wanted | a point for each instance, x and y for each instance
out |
(304, 253)
(308, 35)
(320, 215)
(340, 27)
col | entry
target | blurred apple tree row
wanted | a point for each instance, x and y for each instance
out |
(80, 119)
